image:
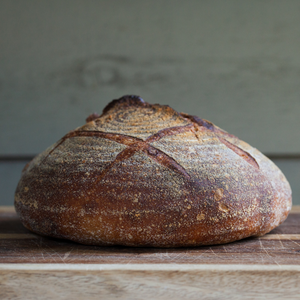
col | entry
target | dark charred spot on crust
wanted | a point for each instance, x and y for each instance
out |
(206, 124)
(92, 117)
(152, 151)
(127, 100)
(131, 103)
(199, 121)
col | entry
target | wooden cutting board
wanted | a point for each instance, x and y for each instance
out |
(32, 267)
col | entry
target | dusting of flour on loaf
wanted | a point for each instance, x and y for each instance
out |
(143, 174)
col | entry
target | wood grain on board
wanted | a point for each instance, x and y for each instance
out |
(151, 284)
(18, 245)
(255, 268)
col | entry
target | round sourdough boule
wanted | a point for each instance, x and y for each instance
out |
(145, 175)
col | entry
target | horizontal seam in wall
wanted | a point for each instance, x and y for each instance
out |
(283, 156)
(16, 158)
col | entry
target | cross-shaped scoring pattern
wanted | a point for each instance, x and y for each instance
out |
(136, 144)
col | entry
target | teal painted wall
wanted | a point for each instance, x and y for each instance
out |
(235, 63)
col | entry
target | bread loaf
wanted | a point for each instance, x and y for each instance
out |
(146, 175)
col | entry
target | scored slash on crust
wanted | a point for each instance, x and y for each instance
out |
(136, 144)
(137, 203)
(210, 126)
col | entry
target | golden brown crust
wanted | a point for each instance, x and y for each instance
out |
(145, 175)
